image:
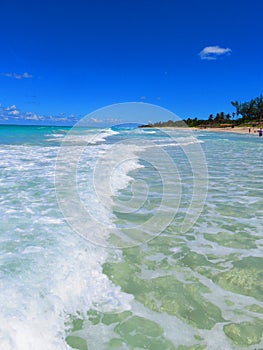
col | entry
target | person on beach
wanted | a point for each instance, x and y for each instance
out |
(260, 132)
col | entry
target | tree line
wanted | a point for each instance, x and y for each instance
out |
(248, 113)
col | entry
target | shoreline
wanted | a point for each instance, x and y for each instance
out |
(237, 130)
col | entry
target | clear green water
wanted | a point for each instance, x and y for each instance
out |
(202, 289)
(195, 289)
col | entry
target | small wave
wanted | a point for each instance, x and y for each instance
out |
(56, 135)
(141, 131)
(174, 144)
(89, 137)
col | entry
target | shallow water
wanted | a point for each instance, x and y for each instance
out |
(171, 253)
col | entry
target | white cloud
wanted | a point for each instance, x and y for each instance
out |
(14, 112)
(34, 116)
(96, 120)
(106, 120)
(57, 119)
(25, 75)
(11, 108)
(214, 52)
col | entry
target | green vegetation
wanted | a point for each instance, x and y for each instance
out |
(170, 123)
(164, 294)
(251, 111)
(245, 277)
(247, 113)
(245, 333)
(77, 342)
(220, 119)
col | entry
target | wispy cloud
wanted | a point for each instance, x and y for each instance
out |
(11, 111)
(108, 120)
(32, 116)
(11, 114)
(15, 112)
(214, 52)
(11, 108)
(17, 76)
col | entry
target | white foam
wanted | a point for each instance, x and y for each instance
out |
(57, 135)
(76, 136)
(34, 310)
(128, 161)
(100, 176)
(47, 272)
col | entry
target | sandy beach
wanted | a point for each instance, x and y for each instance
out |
(238, 130)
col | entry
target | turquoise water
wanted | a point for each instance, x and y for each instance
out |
(130, 239)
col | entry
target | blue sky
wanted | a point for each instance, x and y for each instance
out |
(61, 60)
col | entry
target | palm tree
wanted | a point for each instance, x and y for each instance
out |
(211, 119)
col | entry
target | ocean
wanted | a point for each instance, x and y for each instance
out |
(129, 238)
